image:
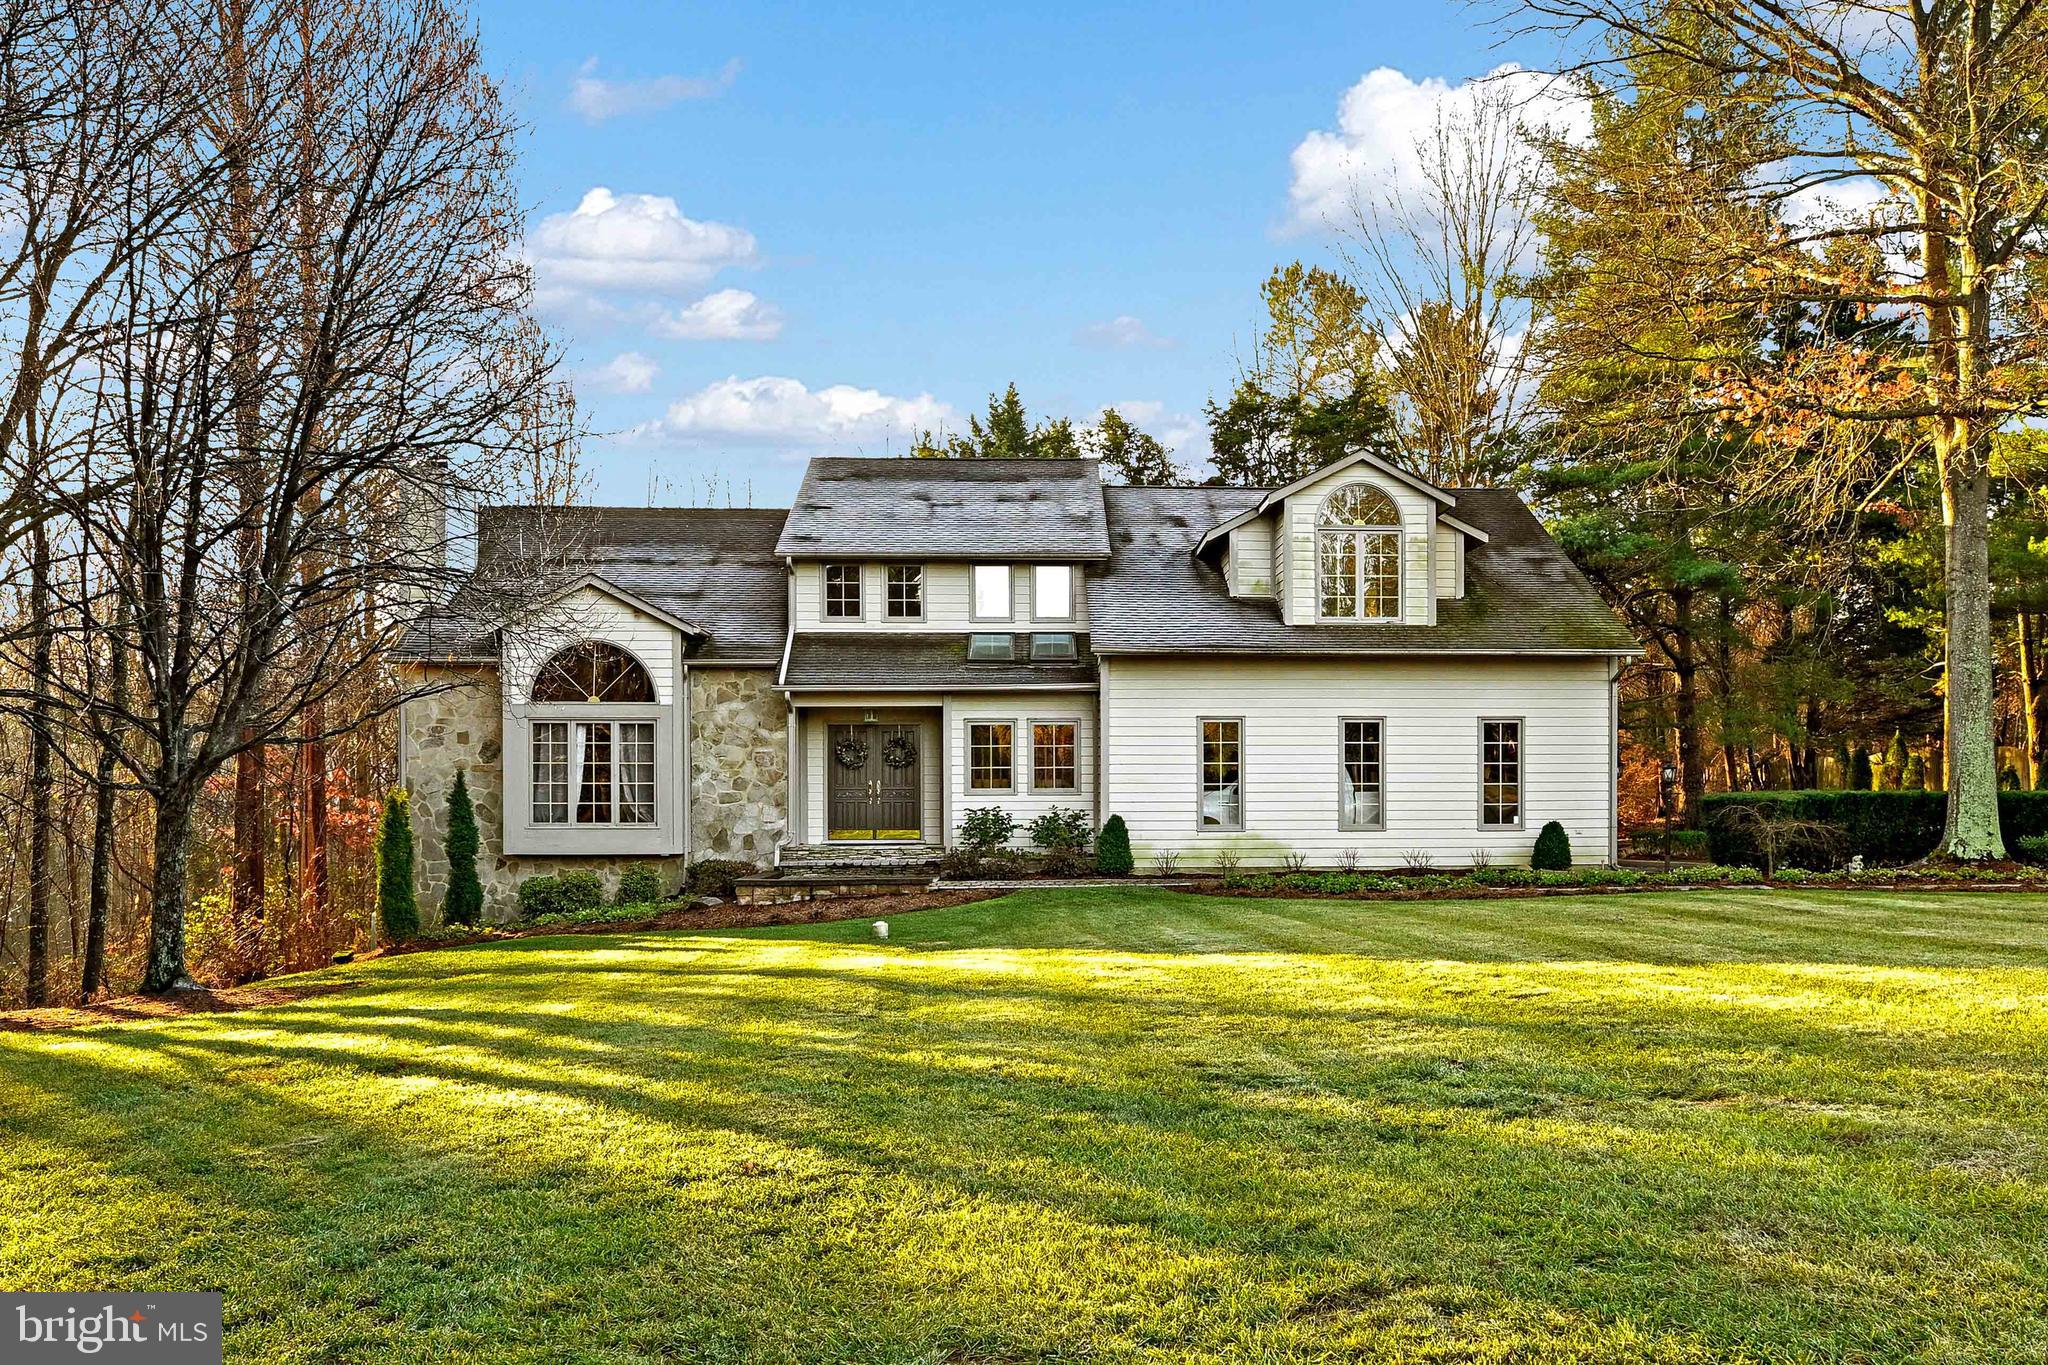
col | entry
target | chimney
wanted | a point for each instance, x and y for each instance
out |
(423, 547)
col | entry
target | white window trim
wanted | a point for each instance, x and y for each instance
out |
(923, 584)
(1397, 529)
(967, 788)
(1344, 779)
(1031, 730)
(1521, 725)
(1009, 593)
(1036, 570)
(1239, 827)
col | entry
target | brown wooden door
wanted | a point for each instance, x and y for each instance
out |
(879, 794)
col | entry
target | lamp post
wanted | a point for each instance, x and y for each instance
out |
(1667, 792)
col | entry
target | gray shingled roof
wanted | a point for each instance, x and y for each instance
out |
(714, 567)
(1522, 596)
(849, 660)
(948, 509)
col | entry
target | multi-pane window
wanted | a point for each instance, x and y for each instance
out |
(1057, 647)
(842, 592)
(905, 585)
(606, 766)
(1052, 755)
(551, 772)
(1361, 794)
(989, 648)
(991, 757)
(1222, 763)
(1500, 773)
(1358, 555)
(636, 773)
(991, 592)
(1052, 592)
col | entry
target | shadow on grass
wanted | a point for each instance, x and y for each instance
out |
(859, 1154)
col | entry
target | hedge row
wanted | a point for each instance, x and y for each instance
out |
(1882, 826)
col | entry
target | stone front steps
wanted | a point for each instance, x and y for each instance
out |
(872, 857)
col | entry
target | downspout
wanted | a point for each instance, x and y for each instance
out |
(685, 801)
(792, 738)
(1614, 761)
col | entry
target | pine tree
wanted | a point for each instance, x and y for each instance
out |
(465, 901)
(1130, 456)
(397, 905)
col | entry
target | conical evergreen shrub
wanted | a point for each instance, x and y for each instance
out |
(1553, 852)
(465, 901)
(1860, 776)
(1113, 848)
(398, 909)
(1895, 763)
(1916, 773)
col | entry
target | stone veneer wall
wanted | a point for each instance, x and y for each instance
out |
(739, 764)
(739, 788)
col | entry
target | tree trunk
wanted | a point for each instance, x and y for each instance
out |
(165, 967)
(1971, 831)
(1692, 778)
(41, 780)
(2030, 704)
(93, 979)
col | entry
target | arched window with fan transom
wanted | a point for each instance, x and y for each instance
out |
(599, 770)
(1358, 555)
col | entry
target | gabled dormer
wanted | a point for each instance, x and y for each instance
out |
(1358, 542)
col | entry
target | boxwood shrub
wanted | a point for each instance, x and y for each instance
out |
(1882, 826)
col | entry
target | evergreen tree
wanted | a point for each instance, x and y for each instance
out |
(1895, 763)
(1006, 434)
(1861, 779)
(1916, 773)
(465, 901)
(397, 905)
(1131, 456)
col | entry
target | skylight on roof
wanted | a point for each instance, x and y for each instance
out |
(989, 649)
(1055, 647)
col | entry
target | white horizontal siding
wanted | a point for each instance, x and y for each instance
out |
(1291, 712)
(1251, 559)
(1450, 550)
(589, 614)
(946, 601)
(1020, 710)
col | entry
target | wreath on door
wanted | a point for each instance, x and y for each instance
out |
(899, 752)
(852, 753)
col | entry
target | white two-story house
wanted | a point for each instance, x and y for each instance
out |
(1356, 664)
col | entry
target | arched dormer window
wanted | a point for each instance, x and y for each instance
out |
(1358, 555)
(593, 671)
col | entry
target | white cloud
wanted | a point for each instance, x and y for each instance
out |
(773, 410)
(1836, 201)
(728, 315)
(633, 241)
(1372, 152)
(597, 99)
(626, 372)
(1139, 410)
(1122, 332)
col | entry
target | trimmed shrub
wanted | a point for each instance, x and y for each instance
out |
(1553, 852)
(1882, 826)
(465, 903)
(1916, 773)
(1113, 849)
(572, 893)
(2031, 848)
(715, 876)
(639, 884)
(398, 908)
(1860, 776)
(985, 829)
(1060, 829)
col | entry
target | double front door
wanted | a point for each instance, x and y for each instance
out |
(872, 785)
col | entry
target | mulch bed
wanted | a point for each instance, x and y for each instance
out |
(170, 1006)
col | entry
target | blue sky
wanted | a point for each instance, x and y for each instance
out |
(765, 231)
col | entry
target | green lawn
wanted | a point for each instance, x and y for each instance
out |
(1095, 1125)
